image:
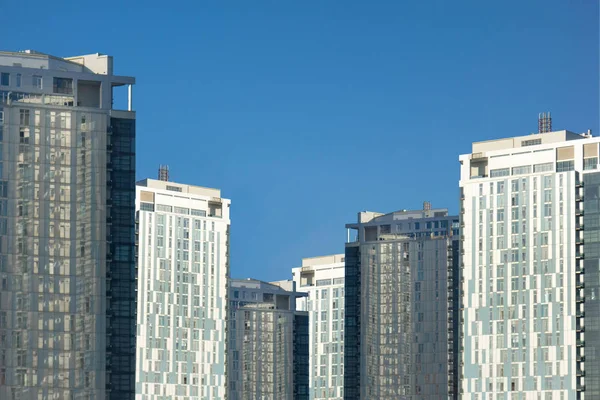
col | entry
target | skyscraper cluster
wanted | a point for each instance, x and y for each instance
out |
(112, 289)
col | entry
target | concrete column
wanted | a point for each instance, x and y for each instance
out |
(130, 98)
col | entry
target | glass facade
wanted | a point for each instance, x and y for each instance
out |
(268, 343)
(301, 357)
(121, 276)
(352, 301)
(591, 236)
(67, 270)
(400, 299)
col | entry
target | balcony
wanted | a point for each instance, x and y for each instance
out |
(579, 226)
(579, 212)
(580, 298)
(579, 255)
(580, 372)
(578, 197)
(580, 328)
(580, 285)
(580, 358)
(580, 343)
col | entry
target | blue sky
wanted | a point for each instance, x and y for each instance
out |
(306, 112)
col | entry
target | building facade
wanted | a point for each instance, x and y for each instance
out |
(323, 279)
(529, 209)
(67, 244)
(401, 306)
(268, 342)
(183, 272)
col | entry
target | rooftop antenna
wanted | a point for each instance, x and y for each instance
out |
(426, 206)
(544, 122)
(163, 173)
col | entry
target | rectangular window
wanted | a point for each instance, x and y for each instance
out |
(590, 163)
(495, 173)
(174, 188)
(24, 117)
(18, 81)
(323, 282)
(524, 169)
(36, 81)
(146, 206)
(63, 85)
(268, 297)
(500, 188)
(162, 207)
(181, 210)
(500, 214)
(532, 142)
(4, 79)
(562, 166)
(199, 213)
(545, 167)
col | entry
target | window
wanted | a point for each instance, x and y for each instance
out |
(174, 188)
(500, 188)
(268, 297)
(162, 207)
(200, 213)
(146, 206)
(590, 163)
(18, 81)
(562, 166)
(63, 85)
(4, 79)
(525, 169)
(495, 173)
(543, 167)
(531, 142)
(36, 81)
(24, 117)
(181, 210)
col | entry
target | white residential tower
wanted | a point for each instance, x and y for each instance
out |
(530, 244)
(183, 271)
(323, 279)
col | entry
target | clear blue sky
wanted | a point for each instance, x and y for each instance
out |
(306, 112)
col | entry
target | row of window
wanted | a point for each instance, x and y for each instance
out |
(59, 85)
(176, 210)
(561, 166)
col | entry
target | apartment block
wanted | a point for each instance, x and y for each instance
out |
(183, 272)
(530, 244)
(268, 342)
(401, 305)
(323, 279)
(67, 245)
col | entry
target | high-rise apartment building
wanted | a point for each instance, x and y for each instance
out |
(268, 342)
(183, 272)
(530, 206)
(401, 306)
(67, 262)
(323, 279)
